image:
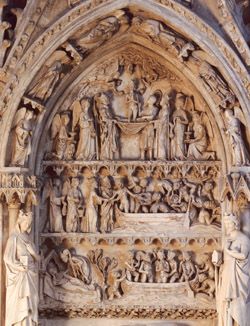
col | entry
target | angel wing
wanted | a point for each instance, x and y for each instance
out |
(19, 116)
(206, 121)
(76, 110)
(56, 124)
(239, 115)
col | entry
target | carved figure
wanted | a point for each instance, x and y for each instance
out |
(145, 269)
(20, 259)
(187, 268)
(161, 35)
(73, 203)
(76, 277)
(234, 291)
(77, 266)
(62, 140)
(108, 133)
(114, 285)
(132, 270)
(240, 153)
(85, 147)
(90, 221)
(46, 84)
(22, 132)
(215, 84)
(163, 129)
(148, 142)
(162, 268)
(206, 285)
(173, 264)
(179, 127)
(197, 148)
(54, 193)
(102, 32)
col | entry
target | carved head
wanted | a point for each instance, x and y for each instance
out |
(29, 115)
(180, 101)
(85, 104)
(102, 100)
(65, 255)
(186, 256)
(104, 172)
(24, 222)
(151, 100)
(232, 223)
(160, 254)
(171, 255)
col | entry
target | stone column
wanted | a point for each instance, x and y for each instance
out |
(13, 209)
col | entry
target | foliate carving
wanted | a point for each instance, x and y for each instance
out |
(21, 259)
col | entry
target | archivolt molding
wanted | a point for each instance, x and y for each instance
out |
(73, 16)
(234, 31)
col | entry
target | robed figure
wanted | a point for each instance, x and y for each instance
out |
(234, 287)
(20, 260)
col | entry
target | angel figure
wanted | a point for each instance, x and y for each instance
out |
(161, 35)
(85, 147)
(240, 152)
(22, 132)
(202, 132)
(63, 142)
(47, 83)
(215, 84)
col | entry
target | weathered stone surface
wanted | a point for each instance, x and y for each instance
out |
(124, 133)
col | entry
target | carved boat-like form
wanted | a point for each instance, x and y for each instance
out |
(167, 288)
(149, 222)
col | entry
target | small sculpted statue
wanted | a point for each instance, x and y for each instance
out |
(234, 289)
(20, 259)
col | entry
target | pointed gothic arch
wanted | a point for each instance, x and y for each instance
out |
(117, 53)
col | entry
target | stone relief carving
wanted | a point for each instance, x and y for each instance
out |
(129, 108)
(106, 202)
(98, 276)
(21, 259)
(96, 184)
